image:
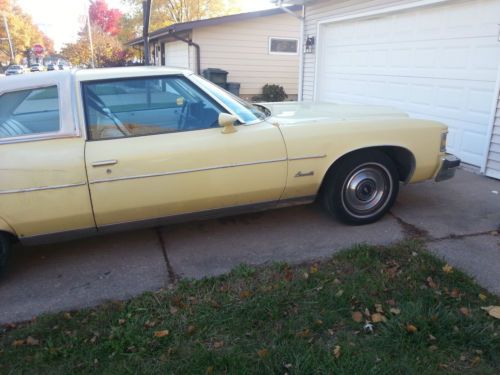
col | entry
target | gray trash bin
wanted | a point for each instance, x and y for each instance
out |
(233, 88)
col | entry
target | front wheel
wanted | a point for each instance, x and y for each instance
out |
(362, 188)
(5, 245)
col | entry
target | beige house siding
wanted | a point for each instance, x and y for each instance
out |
(242, 48)
(322, 10)
(493, 159)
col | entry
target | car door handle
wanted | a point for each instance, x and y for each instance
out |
(103, 163)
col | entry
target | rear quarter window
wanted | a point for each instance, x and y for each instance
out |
(29, 112)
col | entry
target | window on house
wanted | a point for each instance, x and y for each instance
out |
(287, 46)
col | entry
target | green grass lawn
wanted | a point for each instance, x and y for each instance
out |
(279, 319)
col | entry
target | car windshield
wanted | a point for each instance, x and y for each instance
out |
(15, 67)
(247, 112)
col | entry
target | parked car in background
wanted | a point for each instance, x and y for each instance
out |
(52, 67)
(63, 67)
(36, 68)
(14, 70)
(102, 149)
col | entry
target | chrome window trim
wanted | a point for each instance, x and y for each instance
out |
(68, 128)
(220, 102)
(160, 174)
(41, 188)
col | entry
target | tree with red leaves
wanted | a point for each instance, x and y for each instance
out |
(104, 17)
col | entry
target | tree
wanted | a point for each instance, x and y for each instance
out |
(108, 50)
(107, 19)
(167, 12)
(23, 31)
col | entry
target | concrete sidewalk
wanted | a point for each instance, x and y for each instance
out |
(457, 218)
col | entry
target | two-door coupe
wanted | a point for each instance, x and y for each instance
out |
(90, 151)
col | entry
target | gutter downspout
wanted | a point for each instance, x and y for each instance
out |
(196, 46)
(301, 18)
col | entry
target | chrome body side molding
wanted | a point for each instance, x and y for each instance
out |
(187, 171)
(54, 187)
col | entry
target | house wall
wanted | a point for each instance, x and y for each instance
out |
(322, 10)
(242, 48)
(492, 167)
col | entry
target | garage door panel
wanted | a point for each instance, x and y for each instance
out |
(436, 62)
(448, 59)
(177, 54)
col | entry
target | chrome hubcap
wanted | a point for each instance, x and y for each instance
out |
(366, 190)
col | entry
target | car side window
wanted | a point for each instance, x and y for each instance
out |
(153, 105)
(29, 112)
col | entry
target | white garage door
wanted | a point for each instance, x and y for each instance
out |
(435, 62)
(177, 54)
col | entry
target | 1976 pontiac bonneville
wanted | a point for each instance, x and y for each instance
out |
(88, 151)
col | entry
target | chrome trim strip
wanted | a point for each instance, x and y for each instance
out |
(27, 190)
(308, 157)
(103, 163)
(187, 171)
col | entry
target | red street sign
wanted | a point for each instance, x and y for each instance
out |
(38, 49)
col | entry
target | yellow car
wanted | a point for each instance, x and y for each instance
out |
(88, 151)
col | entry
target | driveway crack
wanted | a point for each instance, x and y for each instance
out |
(411, 231)
(172, 276)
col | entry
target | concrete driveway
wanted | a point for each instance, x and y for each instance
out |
(459, 219)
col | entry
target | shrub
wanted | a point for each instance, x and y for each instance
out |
(273, 93)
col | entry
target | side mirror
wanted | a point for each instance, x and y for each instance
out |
(226, 121)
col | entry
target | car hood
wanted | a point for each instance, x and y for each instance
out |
(293, 112)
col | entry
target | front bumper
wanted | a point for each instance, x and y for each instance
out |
(448, 168)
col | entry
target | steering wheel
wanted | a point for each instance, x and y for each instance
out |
(95, 102)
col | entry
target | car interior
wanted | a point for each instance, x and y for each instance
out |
(130, 108)
(29, 112)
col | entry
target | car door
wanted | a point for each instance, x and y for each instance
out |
(155, 149)
(43, 183)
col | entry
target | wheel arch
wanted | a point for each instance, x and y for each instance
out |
(6, 228)
(402, 157)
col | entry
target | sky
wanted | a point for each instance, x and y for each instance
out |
(62, 19)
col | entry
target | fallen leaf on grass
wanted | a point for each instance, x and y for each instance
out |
(494, 311)
(410, 328)
(395, 311)
(67, 316)
(482, 297)
(357, 316)
(339, 293)
(447, 268)
(162, 333)
(455, 293)
(32, 341)
(262, 353)
(432, 338)
(17, 343)
(475, 361)
(218, 344)
(121, 321)
(378, 318)
(336, 351)
(314, 268)
(378, 308)
(304, 333)
(245, 294)
(464, 311)
(431, 283)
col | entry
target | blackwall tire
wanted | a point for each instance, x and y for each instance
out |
(5, 248)
(362, 188)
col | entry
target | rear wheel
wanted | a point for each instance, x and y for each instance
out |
(5, 245)
(362, 188)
